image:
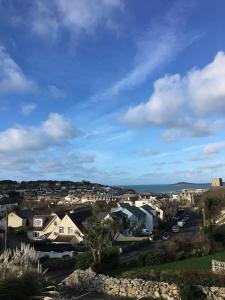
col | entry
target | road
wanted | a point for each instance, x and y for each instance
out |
(188, 233)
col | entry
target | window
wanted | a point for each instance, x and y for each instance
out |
(35, 234)
(70, 230)
(38, 222)
(61, 229)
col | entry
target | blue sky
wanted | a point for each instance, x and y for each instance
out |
(112, 91)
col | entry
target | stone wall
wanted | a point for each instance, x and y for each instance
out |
(218, 266)
(90, 281)
(136, 288)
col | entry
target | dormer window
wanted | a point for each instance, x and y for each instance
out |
(38, 222)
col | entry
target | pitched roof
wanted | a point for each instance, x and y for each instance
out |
(8, 200)
(119, 214)
(46, 221)
(78, 216)
(64, 239)
(148, 208)
(134, 210)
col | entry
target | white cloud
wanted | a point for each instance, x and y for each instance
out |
(150, 152)
(184, 105)
(208, 152)
(55, 92)
(49, 18)
(28, 108)
(53, 132)
(206, 87)
(12, 78)
(157, 46)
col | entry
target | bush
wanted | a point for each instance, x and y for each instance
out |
(154, 258)
(48, 246)
(59, 263)
(84, 260)
(110, 256)
(28, 286)
(151, 275)
(134, 245)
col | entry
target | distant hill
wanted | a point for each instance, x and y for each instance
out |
(184, 183)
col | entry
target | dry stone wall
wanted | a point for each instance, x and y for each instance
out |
(90, 281)
(136, 288)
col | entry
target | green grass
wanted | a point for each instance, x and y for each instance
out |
(201, 264)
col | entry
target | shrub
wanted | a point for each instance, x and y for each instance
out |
(110, 256)
(84, 260)
(149, 275)
(134, 245)
(154, 258)
(29, 285)
(59, 263)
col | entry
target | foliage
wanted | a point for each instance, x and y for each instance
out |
(19, 260)
(30, 285)
(99, 233)
(21, 275)
(134, 245)
(84, 260)
(48, 246)
(52, 264)
(110, 260)
(154, 258)
(212, 202)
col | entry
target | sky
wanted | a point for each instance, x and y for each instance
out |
(112, 91)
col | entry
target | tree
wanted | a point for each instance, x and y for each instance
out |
(99, 233)
(212, 203)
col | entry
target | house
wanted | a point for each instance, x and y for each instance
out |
(121, 219)
(134, 214)
(66, 231)
(15, 221)
(24, 217)
(6, 203)
(66, 227)
(151, 217)
(42, 226)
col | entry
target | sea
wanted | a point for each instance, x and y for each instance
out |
(166, 188)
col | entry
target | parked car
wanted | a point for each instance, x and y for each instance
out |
(180, 223)
(146, 231)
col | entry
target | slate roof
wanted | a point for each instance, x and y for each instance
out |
(7, 200)
(46, 221)
(149, 209)
(78, 216)
(119, 214)
(64, 239)
(134, 210)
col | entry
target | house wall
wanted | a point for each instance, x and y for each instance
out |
(149, 220)
(15, 221)
(48, 229)
(66, 222)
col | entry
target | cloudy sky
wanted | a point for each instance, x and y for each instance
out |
(112, 91)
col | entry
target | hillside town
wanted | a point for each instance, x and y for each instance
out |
(112, 150)
(54, 211)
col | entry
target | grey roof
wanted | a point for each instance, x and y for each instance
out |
(119, 214)
(8, 200)
(148, 208)
(134, 210)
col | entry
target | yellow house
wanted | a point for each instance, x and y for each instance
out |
(15, 221)
(66, 232)
(42, 226)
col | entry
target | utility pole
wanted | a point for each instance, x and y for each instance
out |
(203, 215)
(6, 228)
